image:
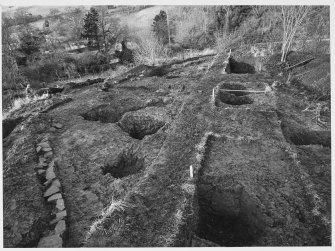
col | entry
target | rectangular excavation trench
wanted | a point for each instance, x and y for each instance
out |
(232, 94)
(228, 216)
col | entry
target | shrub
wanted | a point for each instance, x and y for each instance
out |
(126, 55)
(60, 66)
(92, 63)
(194, 26)
(225, 41)
(12, 77)
(150, 51)
(51, 67)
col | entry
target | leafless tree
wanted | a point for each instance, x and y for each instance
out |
(109, 27)
(75, 22)
(292, 18)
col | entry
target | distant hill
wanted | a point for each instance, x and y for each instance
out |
(142, 19)
(37, 10)
(136, 20)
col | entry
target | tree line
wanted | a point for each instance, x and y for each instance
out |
(195, 27)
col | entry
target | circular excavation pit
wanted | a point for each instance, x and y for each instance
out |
(127, 163)
(104, 114)
(138, 126)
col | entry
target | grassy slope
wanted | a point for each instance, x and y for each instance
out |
(142, 19)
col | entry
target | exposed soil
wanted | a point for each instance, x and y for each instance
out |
(125, 164)
(232, 99)
(124, 157)
(104, 114)
(301, 136)
(8, 125)
(240, 67)
(145, 122)
(240, 204)
(229, 216)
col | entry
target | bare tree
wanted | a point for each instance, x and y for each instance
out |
(109, 27)
(11, 74)
(227, 8)
(292, 17)
(75, 18)
(168, 26)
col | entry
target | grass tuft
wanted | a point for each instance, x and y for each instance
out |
(97, 226)
(20, 102)
(188, 188)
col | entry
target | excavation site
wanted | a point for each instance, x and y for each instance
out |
(208, 150)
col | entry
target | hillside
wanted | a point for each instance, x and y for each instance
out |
(142, 20)
(37, 10)
(174, 155)
(136, 20)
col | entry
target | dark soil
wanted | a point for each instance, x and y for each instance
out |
(126, 164)
(240, 67)
(104, 114)
(232, 99)
(111, 113)
(230, 192)
(140, 126)
(228, 215)
(8, 125)
(300, 136)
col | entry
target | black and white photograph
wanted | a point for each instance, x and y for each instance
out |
(180, 124)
